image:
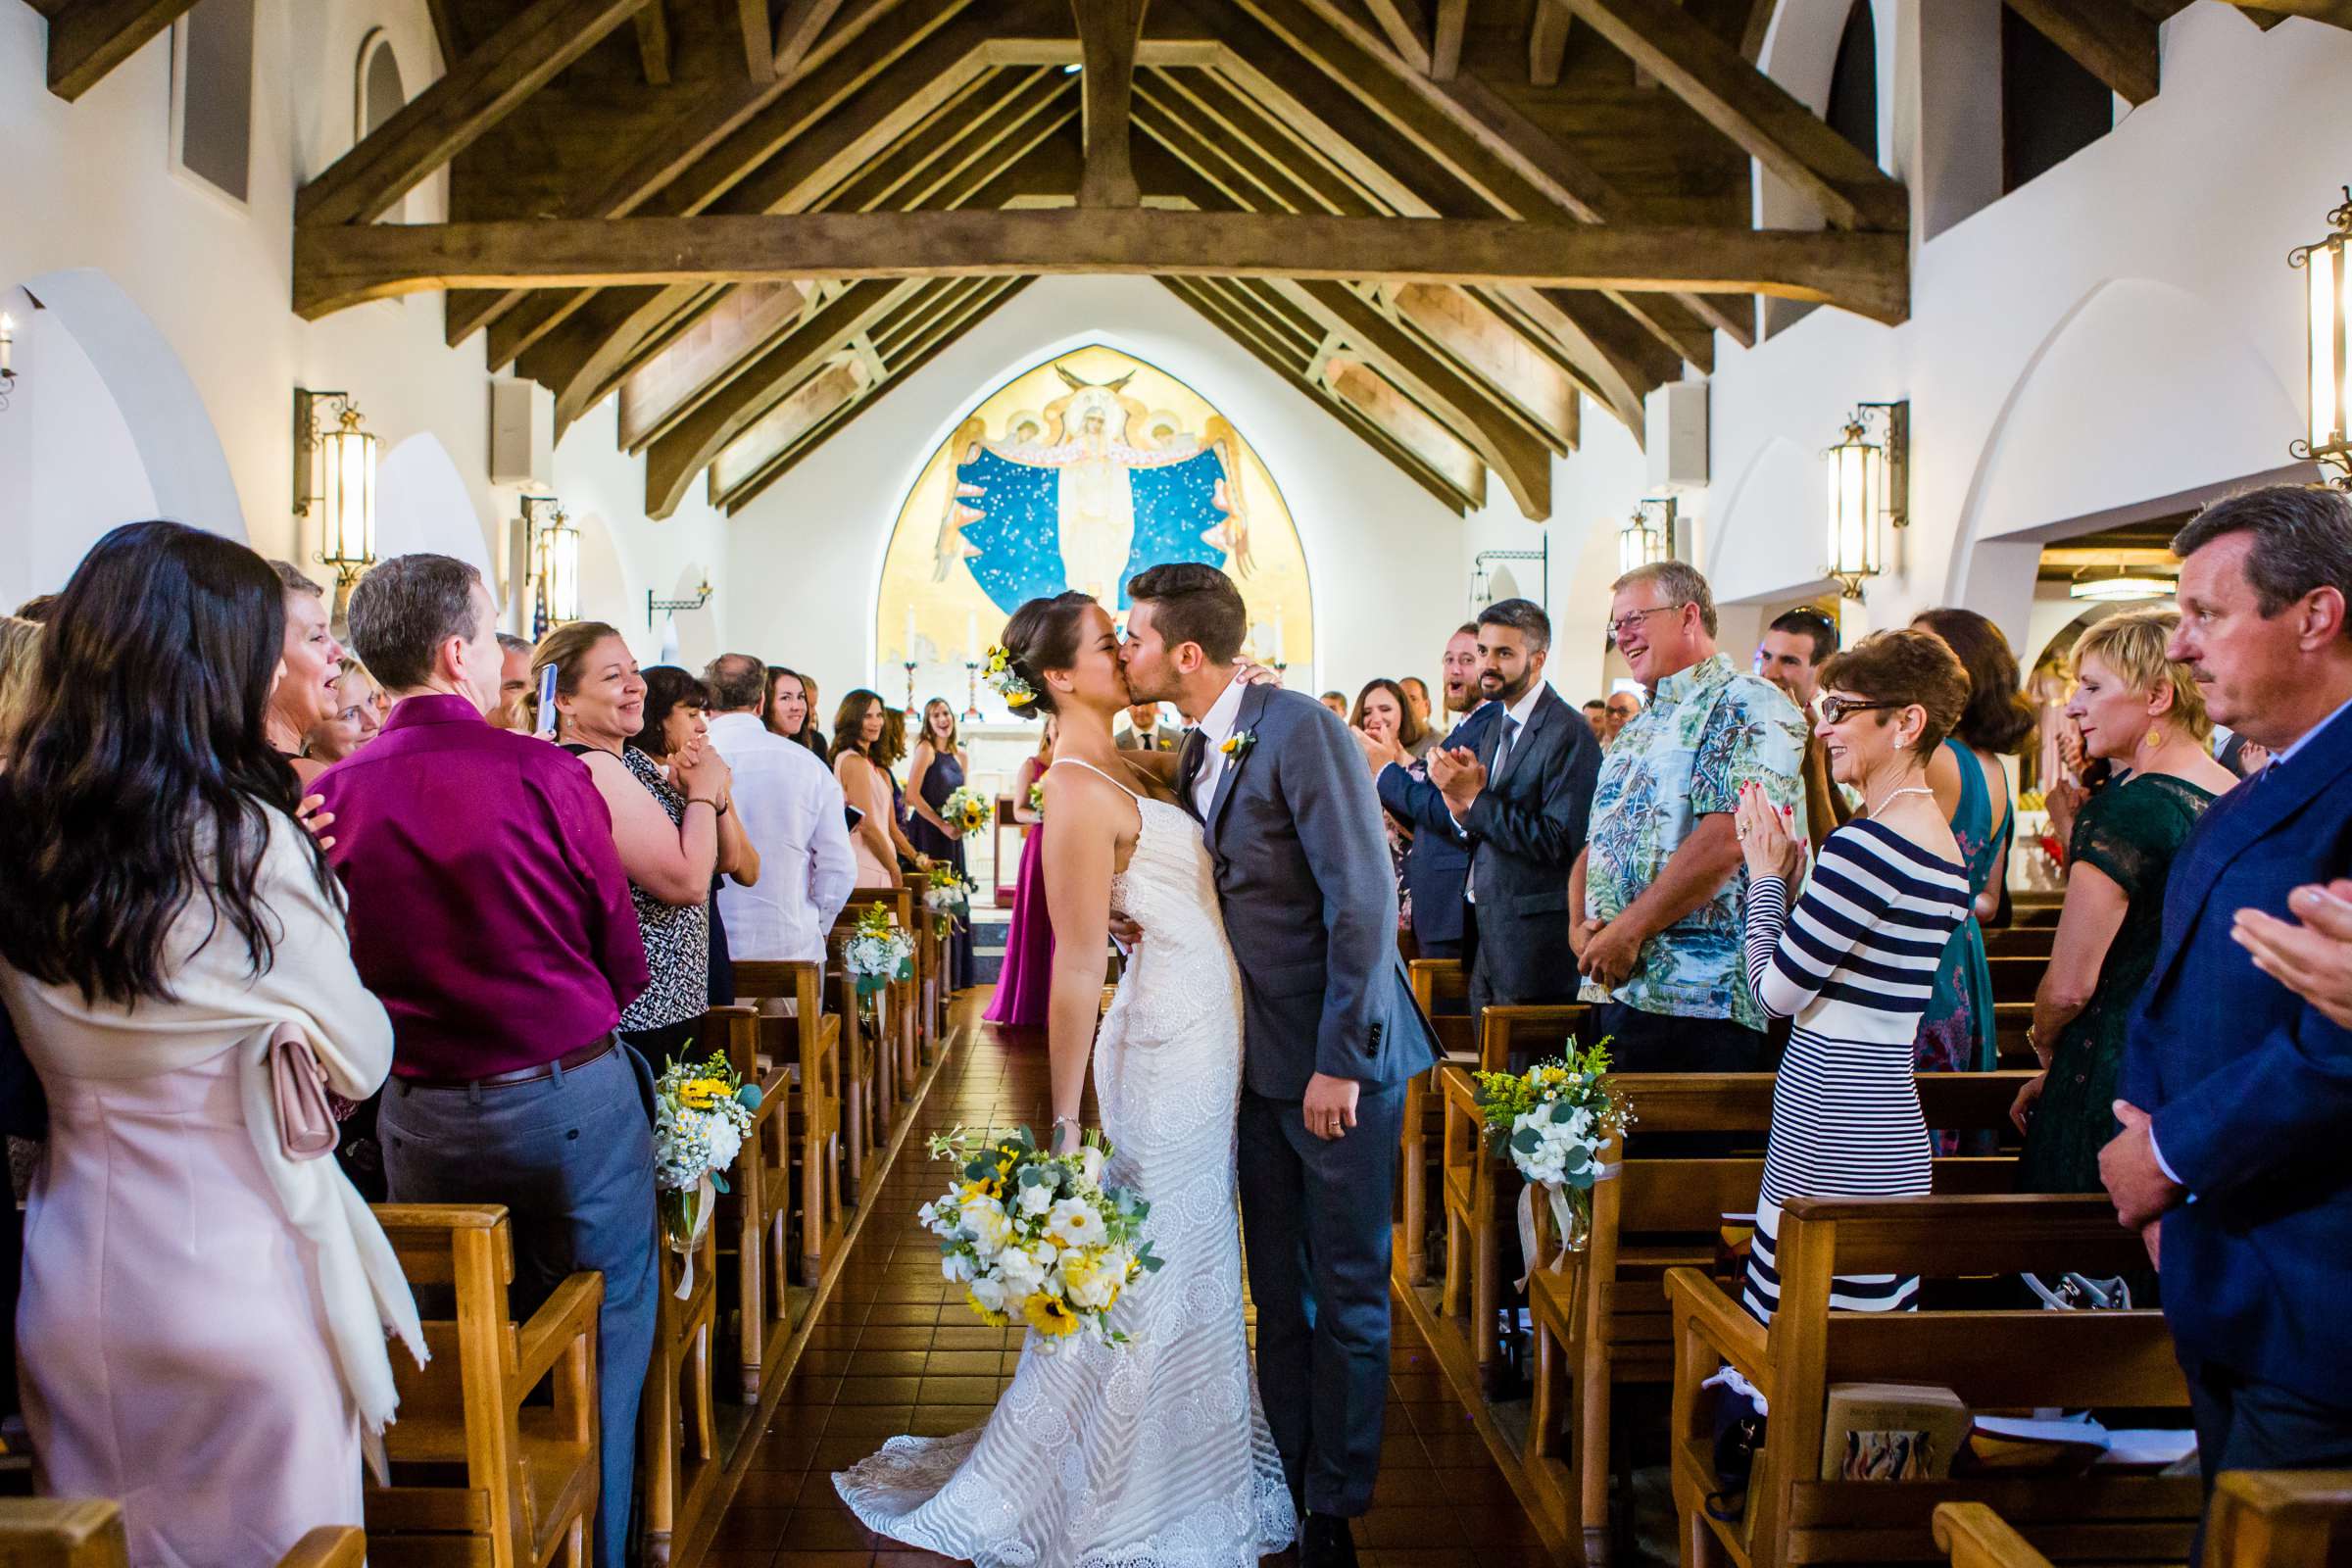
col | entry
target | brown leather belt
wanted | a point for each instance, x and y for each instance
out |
(522, 1075)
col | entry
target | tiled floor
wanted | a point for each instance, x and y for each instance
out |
(894, 1350)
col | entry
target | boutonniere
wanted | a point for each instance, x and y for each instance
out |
(1236, 745)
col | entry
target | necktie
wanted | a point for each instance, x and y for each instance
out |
(1188, 765)
(1502, 749)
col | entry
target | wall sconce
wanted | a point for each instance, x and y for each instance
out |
(555, 564)
(2121, 586)
(2327, 440)
(1647, 535)
(8, 356)
(334, 479)
(1869, 481)
(702, 597)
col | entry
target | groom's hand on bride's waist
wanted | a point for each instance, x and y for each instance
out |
(1124, 931)
(1330, 1106)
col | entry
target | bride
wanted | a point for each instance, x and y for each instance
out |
(1154, 1454)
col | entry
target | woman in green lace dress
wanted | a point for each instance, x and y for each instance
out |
(2144, 714)
(1955, 1034)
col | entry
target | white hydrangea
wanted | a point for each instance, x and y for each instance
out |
(1074, 1222)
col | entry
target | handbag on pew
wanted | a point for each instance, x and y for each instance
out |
(1739, 1417)
(307, 1123)
(2080, 1293)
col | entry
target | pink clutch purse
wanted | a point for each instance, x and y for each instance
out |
(306, 1121)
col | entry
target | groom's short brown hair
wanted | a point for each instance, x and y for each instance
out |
(1194, 604)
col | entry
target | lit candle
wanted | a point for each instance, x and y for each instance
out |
(8, 340)
(908, 656)
(971, 637)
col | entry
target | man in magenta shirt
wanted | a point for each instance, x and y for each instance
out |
(490, 913)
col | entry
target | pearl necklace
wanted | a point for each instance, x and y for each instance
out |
(1871, 811)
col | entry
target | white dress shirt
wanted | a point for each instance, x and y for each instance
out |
(1514, 732)
(1217, 728)
(792, 813)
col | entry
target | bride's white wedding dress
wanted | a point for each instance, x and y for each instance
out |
(1155, 1455)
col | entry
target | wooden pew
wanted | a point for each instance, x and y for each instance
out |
(1481, 1187)
(1992, 1359)
(1434, 981)
(87, 1532)
(2021, 941)
(807, 1145)
(898, 1010)
(2257, 1519)
(677, 1443)
(1601, 1321)
(2016, 975)
(862, 1053)
(524, 1489)
(753, 1214)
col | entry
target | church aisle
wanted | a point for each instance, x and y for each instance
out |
(895, 1350)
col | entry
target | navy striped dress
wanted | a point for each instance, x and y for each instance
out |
(1853, 963)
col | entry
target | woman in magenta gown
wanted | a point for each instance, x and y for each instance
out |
(1028, 972)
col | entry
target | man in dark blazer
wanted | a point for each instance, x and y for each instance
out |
(2236, 1092)
(1329, 1032)
(1147, 732)
(1519, 793)
(1437, 863)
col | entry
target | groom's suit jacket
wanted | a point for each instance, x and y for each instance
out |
(1310, 902)
(2251, 1087)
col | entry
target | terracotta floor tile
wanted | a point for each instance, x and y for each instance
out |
(791, 1558)
(876, 1421)
(898, 1337)
(904, 1313)
(829, 1529)
(751, 1529)
(962, 1363)
(957, 1391)
(878, 1391)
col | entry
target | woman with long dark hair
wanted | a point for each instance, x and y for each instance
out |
(676, 709)
(857, 732)
(1956, 1034)
(203, 1320)
(790, 707)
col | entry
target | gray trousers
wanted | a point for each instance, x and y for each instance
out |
(1315, 1221)
(571, 1158)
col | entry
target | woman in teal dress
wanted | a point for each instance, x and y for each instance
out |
(1956, 1033)
(2139, 712)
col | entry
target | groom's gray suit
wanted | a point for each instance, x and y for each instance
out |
(1310, 906)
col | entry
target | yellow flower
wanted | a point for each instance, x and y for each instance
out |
(701, 1093)
(1050, 1316)
(995, 1320)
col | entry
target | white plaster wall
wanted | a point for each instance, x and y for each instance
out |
(804, 560)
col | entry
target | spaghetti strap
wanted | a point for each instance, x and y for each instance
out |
(1091, 768)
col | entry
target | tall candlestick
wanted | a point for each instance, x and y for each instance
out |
(909, 655)
(971, 637)
(8, 342)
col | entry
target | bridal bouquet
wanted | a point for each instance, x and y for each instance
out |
(1553, 1119)
(967, 808)
(701, 1113)
(1035, 1237)
(950, 894)
(879, 952)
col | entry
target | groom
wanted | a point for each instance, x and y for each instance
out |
(1329, 1032)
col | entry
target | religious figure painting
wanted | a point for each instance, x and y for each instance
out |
(1076, 474)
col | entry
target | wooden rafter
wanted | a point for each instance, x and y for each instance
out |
(1754, 111)
(701, 356)
(1547, 42)
(445, 31)
(335, 269)
(87, 38)
(653, 43)
(1445, 38)
(755, 44)
(1108, 33)
(1360, 385)
(797, 30)
(1407, 28)
(475, 94)
(2110, 38)
(1757, 29)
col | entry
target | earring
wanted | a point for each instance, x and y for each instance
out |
(2154, 737)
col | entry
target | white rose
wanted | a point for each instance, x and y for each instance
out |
(1073, 1222)
(1036, 1200)
(989, 1291)
(1020, 1270)
(958, 1269)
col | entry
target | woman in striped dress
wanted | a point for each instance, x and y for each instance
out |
(1854, 961)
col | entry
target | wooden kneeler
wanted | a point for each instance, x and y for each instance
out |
(87, 1532)
(798, 1151)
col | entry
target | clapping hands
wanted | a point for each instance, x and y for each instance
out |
(1768, 836)
(1459, 776)
(1379, 749)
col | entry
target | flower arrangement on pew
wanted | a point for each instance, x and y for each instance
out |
(701, 1113)
(1553, 1119)
(1037, 798)
(878, 954)
(967, 808)
(950, 895)
(1035, 1237)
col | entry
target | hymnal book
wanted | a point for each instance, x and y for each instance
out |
(1891, 1432)
(2019, 1443)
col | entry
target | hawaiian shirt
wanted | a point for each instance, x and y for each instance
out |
(1707, 730)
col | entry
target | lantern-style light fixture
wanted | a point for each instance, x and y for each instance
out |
(2328, 439)
(2123, 585)
(1868, 483)
(1647, 535)
(334, 481)
(555, 564)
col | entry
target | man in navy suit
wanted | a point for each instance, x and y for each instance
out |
(1437, 864)
(2236, 1091)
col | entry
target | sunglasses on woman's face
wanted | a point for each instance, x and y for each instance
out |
(1834, 710)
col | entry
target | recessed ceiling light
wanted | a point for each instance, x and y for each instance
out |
(2120, 587)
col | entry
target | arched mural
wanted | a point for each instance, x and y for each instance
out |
(1079, 473)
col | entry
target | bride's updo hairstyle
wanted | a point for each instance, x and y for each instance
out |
(1041, 635)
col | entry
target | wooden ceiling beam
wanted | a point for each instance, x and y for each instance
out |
(706, 121)
(1507, 446)
(1759, 28)
(445, 31)
(1445, 39)
(811, 405)
(87, 38)
(798, 29)
(1353, 383)
(1756, 112)
(1208, 104)
(662, 385)
(2109, 38)
(337, 267)
(756, 45)
(653, 43)
(1547, 42)
(447, 117)
(1107, 34)
(1407, 28)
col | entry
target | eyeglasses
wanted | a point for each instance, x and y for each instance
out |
(1832, 710)
(1625, 623)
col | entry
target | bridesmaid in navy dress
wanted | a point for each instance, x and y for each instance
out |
(938, 770)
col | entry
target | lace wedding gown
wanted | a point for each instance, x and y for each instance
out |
(1155, 1455)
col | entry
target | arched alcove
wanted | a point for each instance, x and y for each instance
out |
(104, 428)
(1776, 500)
(422, 505)
(1075, 471)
